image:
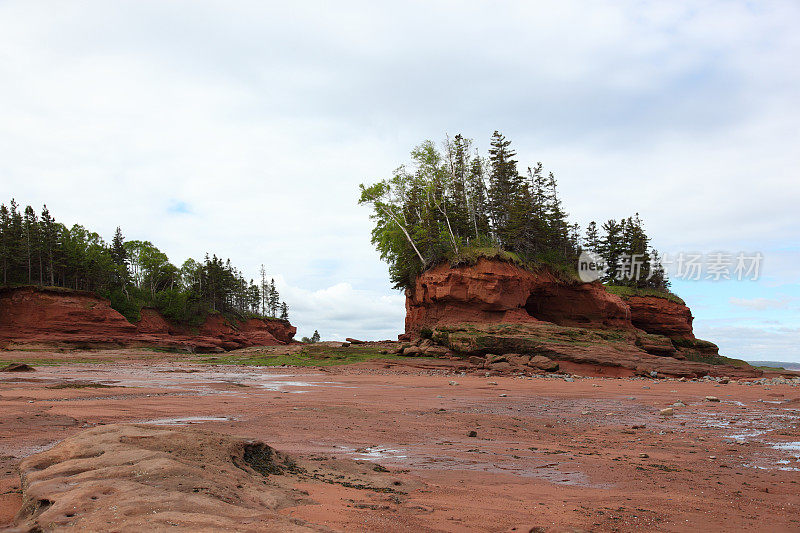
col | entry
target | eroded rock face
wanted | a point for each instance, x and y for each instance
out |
(498, 292)
(580, 350)
(126, 477)
(495, 307)
(35, 316)
(661, 316)
(39, 314)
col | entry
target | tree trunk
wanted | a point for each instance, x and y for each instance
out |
(410, 240)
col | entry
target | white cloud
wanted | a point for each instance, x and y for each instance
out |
(258, 120)
(760, 304)
(340, 311)
(755, 343)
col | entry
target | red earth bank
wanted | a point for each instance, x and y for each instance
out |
(35, 316)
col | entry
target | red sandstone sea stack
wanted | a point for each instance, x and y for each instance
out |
(493, 292)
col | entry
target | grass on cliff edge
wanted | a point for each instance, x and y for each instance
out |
(308, 356)
(625, 292)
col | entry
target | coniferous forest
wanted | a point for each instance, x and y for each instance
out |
(454, 204)
(35, 249)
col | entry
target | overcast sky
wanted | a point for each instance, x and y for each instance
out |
(244, 129)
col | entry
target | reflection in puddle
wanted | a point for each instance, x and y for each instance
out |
(200, 381)
(379, 452)
(745, 435)
(788, 446)
(426, 460)
(187, 420)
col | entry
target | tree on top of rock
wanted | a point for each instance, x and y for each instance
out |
(457, 206)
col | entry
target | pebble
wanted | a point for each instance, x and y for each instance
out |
(679, 404)
(712, 399)
(643, 455)
(503, 395)
(669, 411)
(472, 434)
(453, 383)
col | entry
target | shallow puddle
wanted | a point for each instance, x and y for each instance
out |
(184, 421)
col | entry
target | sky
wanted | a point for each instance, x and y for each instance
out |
(244, 128)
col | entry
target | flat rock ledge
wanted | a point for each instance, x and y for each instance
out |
(136, 477)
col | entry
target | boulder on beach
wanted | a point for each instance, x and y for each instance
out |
(17, 367)
(129, 477)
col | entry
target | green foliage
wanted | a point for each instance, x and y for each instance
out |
(453, 205)
(311, 355)
(124, 304)
(625, 292)
(625, 248)
(180, 306)
(131, 274)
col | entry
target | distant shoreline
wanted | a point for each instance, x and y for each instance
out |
(777, 364)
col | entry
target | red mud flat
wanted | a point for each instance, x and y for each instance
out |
(590, 454)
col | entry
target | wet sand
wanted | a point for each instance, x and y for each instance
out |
(590, 454)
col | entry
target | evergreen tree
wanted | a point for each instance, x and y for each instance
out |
(274, 298)
(30, 231)
(657, 278)
(315, 337)
(592, 241)
(504, 190)
(556, 219)
(284, 311)
(49, 236)
(459, 168)
(5, 242)
(441, 209)
(476, 186)
(131, 274)
(611, 248)
(264, 290)
(118, 252)
(253, 297)
(16, 245)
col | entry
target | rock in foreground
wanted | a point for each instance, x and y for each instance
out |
(126, 477)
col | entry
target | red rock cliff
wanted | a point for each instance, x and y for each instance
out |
(657, 333)
(661, 316)
(495, 292)
(36, 316)
(491, 292)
